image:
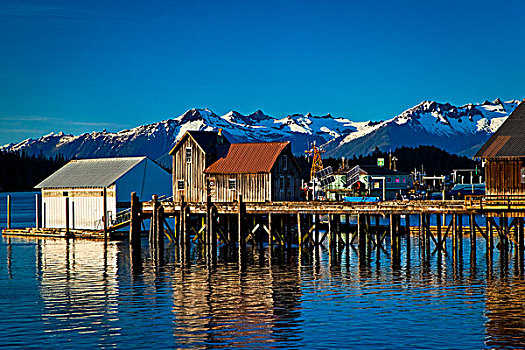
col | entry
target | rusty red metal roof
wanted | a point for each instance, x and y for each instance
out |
(509, 139)
(248, 158)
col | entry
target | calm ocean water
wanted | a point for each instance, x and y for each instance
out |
(77, 294)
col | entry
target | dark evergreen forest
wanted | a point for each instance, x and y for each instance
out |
(435, 161)
(20, 172)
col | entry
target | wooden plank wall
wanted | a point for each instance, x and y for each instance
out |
(253, 187)
(86, 208)
(503, 177)
(278, 170)
(192, 173)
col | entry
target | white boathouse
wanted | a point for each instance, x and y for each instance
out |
(83, 184)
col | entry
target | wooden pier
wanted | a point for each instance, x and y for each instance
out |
(367, 227)
(310, 224)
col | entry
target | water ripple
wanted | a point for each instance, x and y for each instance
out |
(82, 294)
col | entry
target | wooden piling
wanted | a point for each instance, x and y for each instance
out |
(330, 231)
(299, 231)
(160, 229)
(135, 222)
(472, 233)
(438, 232)
(460, 233)
(270, 235)
(208, 219)
(407, 234)
(361, 238)
(105, 209)
(490, 237)
(38, 211)
(368, 235)
(213, 233)
(153, 222)
(317, 238)
(378, 237)
(67, 216)
(182, 223)
(8, 211)
(504, 224)
(421, 232)
(135, 233)
(241, 229)
(396, 240)
(347, 230)
(427, 235)
(392, 228)
(521, 245)
(228, 228)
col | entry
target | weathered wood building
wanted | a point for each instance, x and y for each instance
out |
(261, 172)
(73, 196)
(504, 155)
(192, 154)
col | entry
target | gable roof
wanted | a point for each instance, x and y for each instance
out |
(248, 158)
(101, 172)
(509, 139)
(207, 140)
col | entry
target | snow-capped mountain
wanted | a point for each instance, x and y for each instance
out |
(460, 130)
(456, 129)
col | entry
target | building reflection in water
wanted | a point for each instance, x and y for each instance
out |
(92, 297)
(505, 313)
(79, 290)
(229, 307)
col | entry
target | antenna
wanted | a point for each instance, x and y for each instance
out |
(317, 162)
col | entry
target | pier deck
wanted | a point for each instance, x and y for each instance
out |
(322, 208)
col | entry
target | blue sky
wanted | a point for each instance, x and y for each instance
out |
(79, 66)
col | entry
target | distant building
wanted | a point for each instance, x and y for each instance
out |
(338, 189)
(83, 183)
(263, 171)
(504, 155)
(370, 179)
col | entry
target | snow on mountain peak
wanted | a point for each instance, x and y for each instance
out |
(156, 139)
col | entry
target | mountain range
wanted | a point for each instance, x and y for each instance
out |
(461, 130)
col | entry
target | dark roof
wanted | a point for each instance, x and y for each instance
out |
(375, 170)
(248, 158)
(207, 140)
(100, 172)
(509, 139)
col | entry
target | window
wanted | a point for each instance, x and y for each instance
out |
(180, 184)
(388, 179)
(285, 162)
(404, 179)
(65, 194)
(397, 180)
(281, 183)
(188, 154)
(289, 187)
(232, 184)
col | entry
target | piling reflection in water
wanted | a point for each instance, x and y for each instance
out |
(92, 295)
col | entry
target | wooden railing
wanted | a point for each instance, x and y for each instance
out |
(495, 202)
